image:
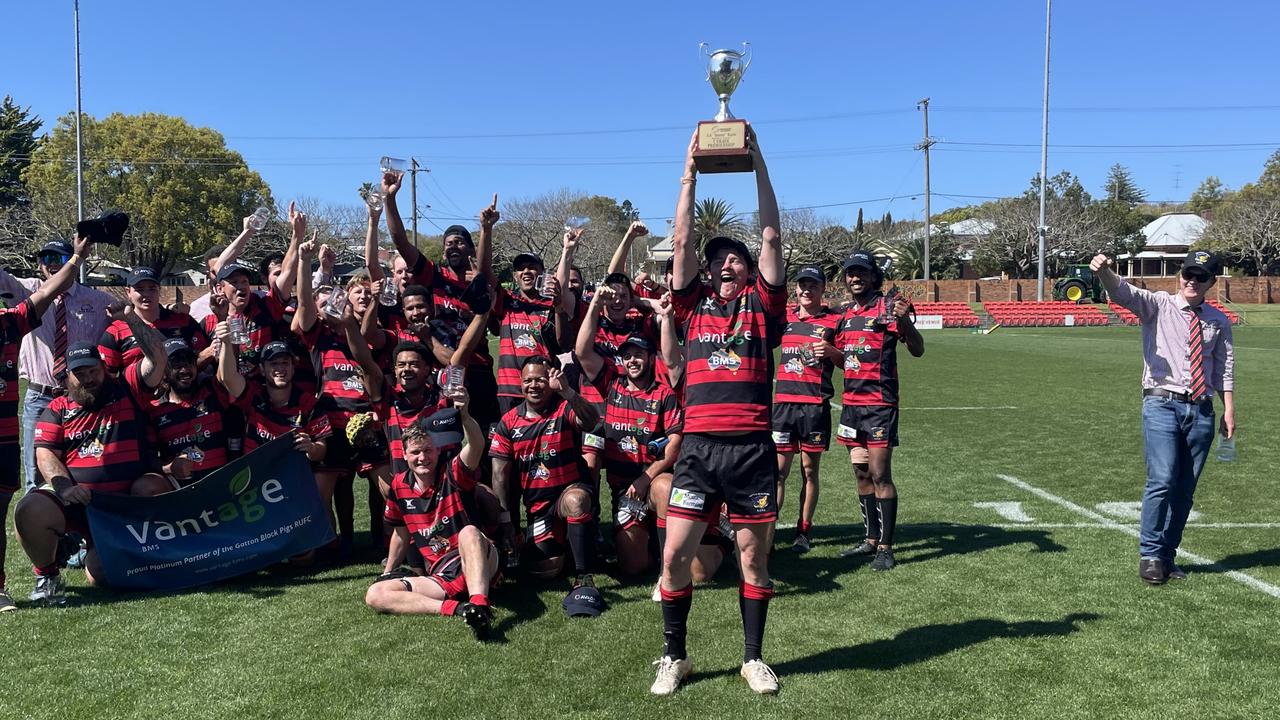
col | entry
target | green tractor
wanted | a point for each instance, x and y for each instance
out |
(1080, 285)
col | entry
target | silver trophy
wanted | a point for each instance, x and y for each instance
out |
(724, 72)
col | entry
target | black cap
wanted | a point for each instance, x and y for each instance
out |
(584, 601)
(444, 427)
(860, 259)
(617, 278)
(175, 346)
(141, 274)
(1203, 260)
(716, 244)
(57, 245)
(82, 354)
(461, 232)
(524, 257)
(275, 349)
(234, 267)
(811, 272)
(639, 341)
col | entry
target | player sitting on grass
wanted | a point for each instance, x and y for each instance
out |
(432, 506)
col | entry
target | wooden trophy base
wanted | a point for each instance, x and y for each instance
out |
(722, 147)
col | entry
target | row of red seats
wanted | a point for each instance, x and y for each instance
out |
(954, 314)
(1129, 318)
(1045, 314)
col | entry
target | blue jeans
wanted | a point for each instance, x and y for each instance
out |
(1177, 436)
(33, 406)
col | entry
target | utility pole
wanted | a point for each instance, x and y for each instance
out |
(84, 270)
(413, 195)
(924, 145)
(1044, 153)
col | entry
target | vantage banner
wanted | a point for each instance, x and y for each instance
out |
(256, 511)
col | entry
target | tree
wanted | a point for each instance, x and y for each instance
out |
(17, 143)
(1120, 187)
(1207, 196)
(536, 225)
(1246, 224)
(1076, 230)
(712, 217)
(907, 251)
(183, 189)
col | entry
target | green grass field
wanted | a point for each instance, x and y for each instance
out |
(984, 616)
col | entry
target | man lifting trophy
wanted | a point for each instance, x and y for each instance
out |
(722, 142)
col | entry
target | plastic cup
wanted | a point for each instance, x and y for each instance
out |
(259, 218)
(239, 335)
(543, 285)
(373, 196)
(398, 166)
(576, 222)
(336, 305)
(388, 296)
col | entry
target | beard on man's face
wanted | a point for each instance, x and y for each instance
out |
(85, 397)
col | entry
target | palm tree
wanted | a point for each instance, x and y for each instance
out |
(712, 217)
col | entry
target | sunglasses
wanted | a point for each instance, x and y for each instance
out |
(1196, 277)
(53, 259)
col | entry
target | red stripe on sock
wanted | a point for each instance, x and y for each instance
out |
(449, 607)
(479, 600)
(662, 522)
(684, 592)
(46, 570)
(755, 592)
(579, 519)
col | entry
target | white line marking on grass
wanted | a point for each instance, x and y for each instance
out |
(1119, 340)
(838, 406)
(1100, 526)
(1191, 557)
(1008, 510)
(1132, 510)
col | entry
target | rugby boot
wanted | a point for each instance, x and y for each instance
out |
(671, 673)
(760, 677)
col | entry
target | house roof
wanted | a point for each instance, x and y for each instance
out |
(963, 228)
(1174, 230)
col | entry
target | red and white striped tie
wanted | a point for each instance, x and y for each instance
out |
(59, 339)
(1195, 347)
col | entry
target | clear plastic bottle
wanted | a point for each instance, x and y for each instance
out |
(1226, 448)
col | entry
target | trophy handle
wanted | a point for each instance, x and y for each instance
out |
(746, 57)
(703, 55)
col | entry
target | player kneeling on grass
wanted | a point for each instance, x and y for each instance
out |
(93, 439)
(868, 336)
(432, 506)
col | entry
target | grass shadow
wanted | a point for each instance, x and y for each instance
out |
(1241, 561)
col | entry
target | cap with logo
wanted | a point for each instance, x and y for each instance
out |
(811, 272)
(232, 268)
(584, 601)
(143, 274)
(176, 346)
(527, 257)
(860, 259)
(275, 349)
(1203, 260)
(82, 354)
(444, 427)
(56, 246)
(639, 341)
(739, 248)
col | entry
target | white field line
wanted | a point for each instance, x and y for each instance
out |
(1100, 526)
(1013, 332)
(838, 406)
(1247, 580)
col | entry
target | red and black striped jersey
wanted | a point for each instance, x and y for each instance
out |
(525, 328)
(729, 349)
(15, 323)
(396, 412)
(448, 310)
(105, 448)
(192, 427)
(342, 392)
(119, 347)
(611, 335)
(264, 421)
(434, 515)
(648, 292)
(632, 418)
(798, 382)
(545, 451)
(264, 321)
(870, 356)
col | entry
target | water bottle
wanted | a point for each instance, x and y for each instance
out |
(658, 447)
(259, 219)
(453, 376)
(239, 335)
(1226, 448)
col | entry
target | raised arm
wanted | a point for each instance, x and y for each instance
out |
(150, 341)
(570, 246)
(395, 226)
(585, 346)
(684, 267)
(484, 246)
(584, 412)
(618, 263)
(669, 341)
(359, 347)
(289, 266)
(49, 290)
(772, 266)
(911, 336)
(473, 449)
(228, 369)
(371, 262)
(305, 318)
(470, 340)
(236, 248)
(1138, 301)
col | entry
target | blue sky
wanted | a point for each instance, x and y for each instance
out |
(602, 97)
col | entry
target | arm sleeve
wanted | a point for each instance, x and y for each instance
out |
(684, 301)
(423, 272)
(1224, 361)
(672, 414)
(772, 297)
(19, 289)
(48, 433)
(195, 335)
(1142, 303)
(391, 513)
(109, 349)
(500, 445)
(465, 479)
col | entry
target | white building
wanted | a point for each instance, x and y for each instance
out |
(1169, 237)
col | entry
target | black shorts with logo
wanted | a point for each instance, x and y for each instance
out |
(739, 470)
(868, 426)
(802, 426)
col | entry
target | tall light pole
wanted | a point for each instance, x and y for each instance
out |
(1044, 152)
(924, 145)
(84, 271)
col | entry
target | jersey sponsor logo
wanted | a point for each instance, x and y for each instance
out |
(629, 445)
(781, 438)
(688, 499)
(846, 432)
(354, 384)
(592, 441)
(93, 449)
(794, 366)
(851, 361)
(869, 323)
(539, 472)
(525, 341)
(759, 502)
(726, 359)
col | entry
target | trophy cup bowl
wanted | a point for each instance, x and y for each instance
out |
(722, 142)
